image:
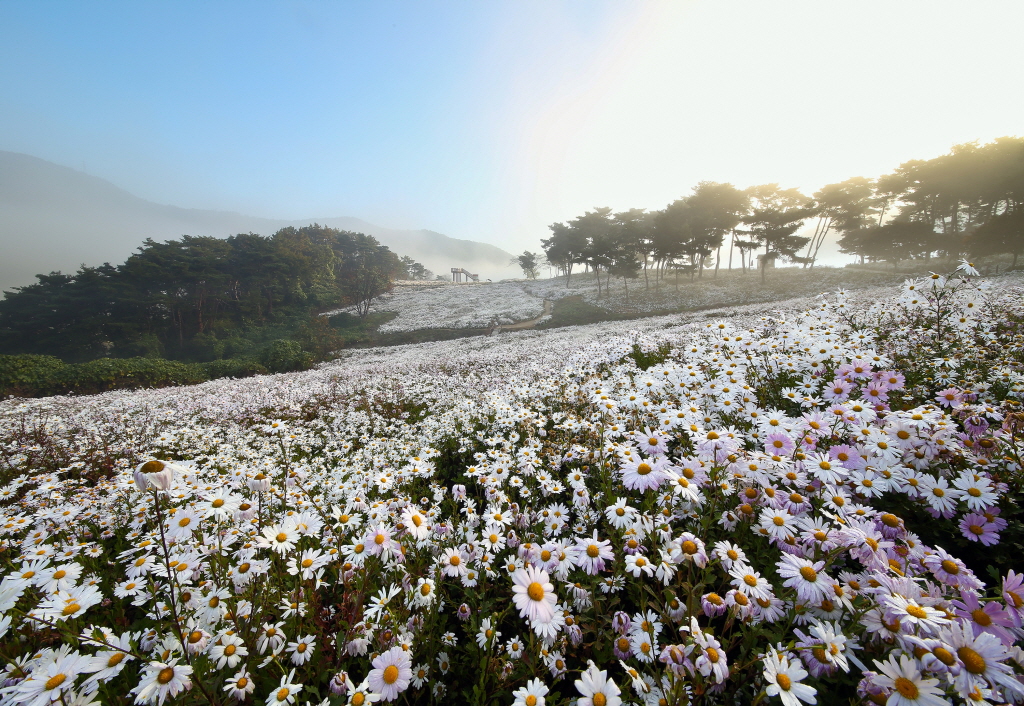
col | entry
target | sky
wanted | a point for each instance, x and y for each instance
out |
(491, 120)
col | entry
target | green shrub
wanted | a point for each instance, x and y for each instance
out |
(233, 368)
(23, 374)
(283, 356)
(116, 373)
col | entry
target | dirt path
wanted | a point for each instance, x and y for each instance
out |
(548, 306)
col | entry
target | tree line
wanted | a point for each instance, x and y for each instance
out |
(200, 298)
(966, 202)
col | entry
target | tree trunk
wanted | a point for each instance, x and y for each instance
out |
(718, 260)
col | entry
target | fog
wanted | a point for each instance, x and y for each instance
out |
(484, 122)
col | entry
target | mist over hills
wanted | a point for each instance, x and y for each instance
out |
(56, 218)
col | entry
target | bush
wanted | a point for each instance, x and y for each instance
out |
(283, 356)
(22, 374)
(233, 368)
(116, 373)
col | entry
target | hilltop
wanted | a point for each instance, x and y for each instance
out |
(57, 218)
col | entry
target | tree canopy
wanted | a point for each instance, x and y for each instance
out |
(966, 202)
(189, 298)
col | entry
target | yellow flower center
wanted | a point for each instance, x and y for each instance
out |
(973, 662)
(906, 687)
(917, 612)
(390, 674)
(981, 617)
(784, 682)
(808, 573)
(535, 591)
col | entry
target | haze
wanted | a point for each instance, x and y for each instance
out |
(490, 121)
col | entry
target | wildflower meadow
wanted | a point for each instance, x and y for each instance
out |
(820, 504)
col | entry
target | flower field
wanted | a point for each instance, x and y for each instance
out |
(816, 505)
(447, 305)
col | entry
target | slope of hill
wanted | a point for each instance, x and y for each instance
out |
(57, 218)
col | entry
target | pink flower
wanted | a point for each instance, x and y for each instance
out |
(950, 397)
(977, 528)
(779, 443)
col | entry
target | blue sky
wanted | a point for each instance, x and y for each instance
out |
(490, 120)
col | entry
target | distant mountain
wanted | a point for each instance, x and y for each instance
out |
(56, 218)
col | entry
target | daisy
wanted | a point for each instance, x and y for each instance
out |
(977, 491)
(391, 673)
(240, 685)
(982, 657)
(783, 679)
(161, 680)
(592, 553)
(302, 649)
(637, 564)
(976, 527)
(643, 474)
(486, 634)
(228, 651)
(361, 695)
(425, 592)
(776, 523)
(908, 687)
(285, 692)
(530, 695)
(183, 523)
(514, 647)
(596, 689)
(280, 538)
(807, 578)
(51, 678)
(534, 595)
(929, 619)
(620, 515)
(419, 675)
(749, 582)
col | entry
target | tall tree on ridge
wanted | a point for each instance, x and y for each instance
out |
(776, 214)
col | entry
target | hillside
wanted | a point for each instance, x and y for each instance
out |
(56, 218)
(707, 485)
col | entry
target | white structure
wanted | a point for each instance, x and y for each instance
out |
(458, 272)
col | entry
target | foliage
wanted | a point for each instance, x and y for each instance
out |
(197, 298)
(967, 201)
(528, 263)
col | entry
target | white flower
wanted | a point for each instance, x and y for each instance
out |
(530, 695)
(51, 678)
(534, 595)
(162, 680)
(391, 673)
(596, 689)
(156, 475)
(285, 691)
(909, 688)
(228, 652)
(302, 649)
(784, 678)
